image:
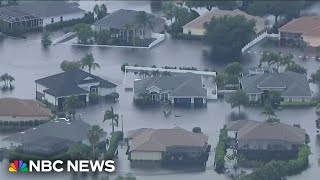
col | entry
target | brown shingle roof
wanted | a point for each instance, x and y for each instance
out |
(206, 17)
(303, 25)
(22, 107)
(159, 139)
(268, 131)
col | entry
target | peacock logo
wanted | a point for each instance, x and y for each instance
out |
(18, 166)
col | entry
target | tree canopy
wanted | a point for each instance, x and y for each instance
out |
(70, 65)
(315, 77)
(111, 115)
(88, 61)
(94, 134)
(289, 9)
(228, 35)
(209, 4)
(238, 99)
(296, 68)
(84, 33)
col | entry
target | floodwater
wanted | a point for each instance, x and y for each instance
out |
(27, 61)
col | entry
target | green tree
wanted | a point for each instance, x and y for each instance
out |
(144, 20)
(238, 99)
(94, 134)
(88, 61)
(275, 98)
(209, 4)
(100, 11)
(277, 59)
(7, 79)
(70, 65)
(235, 159)
(79, 152)
(233, 69)
(315, 77)
(111, 115)
(296, 68)
(289, 9)
(228, 35)
(84, 33)
(268, 111)
(168, 10)
(103, 37)
(71, 103)
(46, 39)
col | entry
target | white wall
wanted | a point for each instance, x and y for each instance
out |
(297, 99)
(105, 91)
(66, 17)
(193, 31)
(23, 118)
(149, 156)
(40, 88)
(51, 99)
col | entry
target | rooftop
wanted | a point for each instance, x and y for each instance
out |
(66, 83)
(39, 9)
(187, 84)
(146, 139)
(74, 131)
(121, 18)
(254, 130)
(307, 25)
(199, 22)
(22, 107)
(294, 84)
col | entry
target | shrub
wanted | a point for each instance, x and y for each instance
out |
(221, 149)
(123, 66)
(116, 137)
(196, 130)
(113, 96)
(188, 36)
(93, 98)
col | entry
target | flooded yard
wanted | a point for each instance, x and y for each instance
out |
(27, 61)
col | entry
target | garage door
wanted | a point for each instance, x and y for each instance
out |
(182, 102)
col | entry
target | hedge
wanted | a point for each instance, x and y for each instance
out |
(276, 170)
(221, 150)
(113, 145)
(311, 103)
(13, 155)
(188, 36)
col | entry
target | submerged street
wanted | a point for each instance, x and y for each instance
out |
(27, 60)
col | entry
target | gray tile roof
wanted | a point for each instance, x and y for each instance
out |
(293, 84)
(160, 139)
(249, 130)
(65, 83)
(180, 85)
(75, 131)
(43, 8)
(122, 17)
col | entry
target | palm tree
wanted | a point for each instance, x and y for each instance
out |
(155, 73)
(268, 111)
(109, 114)
(94, 134)
(10, 79)
(71, 103)
(88, 60)
(79, 151)
(236, 159)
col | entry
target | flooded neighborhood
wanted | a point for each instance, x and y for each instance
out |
(160, 95)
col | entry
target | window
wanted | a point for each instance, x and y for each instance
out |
(61, 18)
(52, 20)
(94, 90)
(142, 33)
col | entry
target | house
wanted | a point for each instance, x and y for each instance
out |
(266, 140)
(251, 71)
(125, 24)
(14, 111)
(51, 138)
(304, 29)
(294, 87)
(167, 147)
(196, 26)
(185, 89)
(39, 14)
(79, 83)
